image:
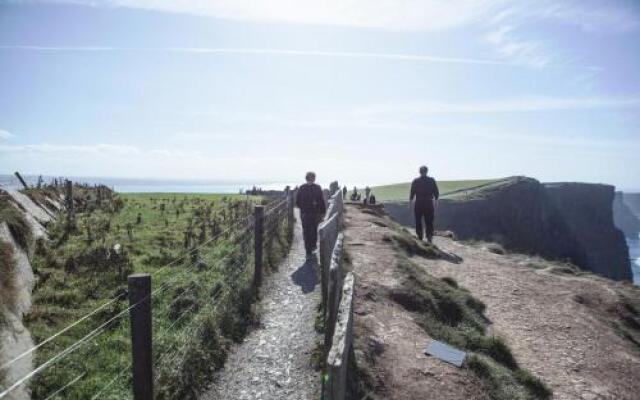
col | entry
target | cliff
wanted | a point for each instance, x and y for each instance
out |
(566, 221)
(21, 226)
(632, 200)
(624, 217)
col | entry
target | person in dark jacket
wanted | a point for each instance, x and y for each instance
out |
(310, 201)
(424, 196)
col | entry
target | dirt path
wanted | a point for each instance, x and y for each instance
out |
(557, 325)
(275, 360)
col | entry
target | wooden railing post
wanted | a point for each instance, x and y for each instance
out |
(258, 214)
(141, 347)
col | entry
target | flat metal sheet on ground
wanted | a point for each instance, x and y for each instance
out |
(446, 353)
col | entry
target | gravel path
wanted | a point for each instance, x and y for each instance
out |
(274, 361)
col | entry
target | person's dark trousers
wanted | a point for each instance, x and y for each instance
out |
(310, 223)
(424, 211)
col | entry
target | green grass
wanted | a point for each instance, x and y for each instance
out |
(400, 191)
(206, 306)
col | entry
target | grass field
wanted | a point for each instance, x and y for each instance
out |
(203, 301)
(400, 191)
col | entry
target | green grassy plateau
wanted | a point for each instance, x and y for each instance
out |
(400, 191)
(203, 292)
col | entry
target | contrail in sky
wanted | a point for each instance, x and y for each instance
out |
(283, 52)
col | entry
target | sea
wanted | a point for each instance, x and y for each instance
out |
(634, 255)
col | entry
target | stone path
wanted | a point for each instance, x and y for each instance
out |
(274, 361)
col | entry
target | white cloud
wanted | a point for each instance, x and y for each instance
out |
(510, 35)
(432, 15)
(519, 51)
(6, 134)
(387, 14)
(588, 15)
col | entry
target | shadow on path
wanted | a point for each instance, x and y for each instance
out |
(305, 276)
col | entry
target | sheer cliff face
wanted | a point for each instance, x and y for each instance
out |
(624, 217)
(586, 213)
(572, 221)
(16, 285)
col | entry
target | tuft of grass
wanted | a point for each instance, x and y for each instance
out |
(7, 265)
(413, 247)
(504, 384)
(450, 281)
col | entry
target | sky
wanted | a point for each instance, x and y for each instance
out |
(363, 91)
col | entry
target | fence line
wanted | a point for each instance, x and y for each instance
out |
(337, 302)
(116, 298)
(275, 211)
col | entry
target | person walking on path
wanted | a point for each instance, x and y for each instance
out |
(424, 197)
(310, 201)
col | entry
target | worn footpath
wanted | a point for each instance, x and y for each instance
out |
(275, 360)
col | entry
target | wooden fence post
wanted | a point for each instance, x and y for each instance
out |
(141, 348)
(17, 174)
(290, 205)
(258, 215)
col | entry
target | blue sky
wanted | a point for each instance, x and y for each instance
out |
(364, 91)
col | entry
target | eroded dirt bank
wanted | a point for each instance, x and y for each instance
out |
(575, 331)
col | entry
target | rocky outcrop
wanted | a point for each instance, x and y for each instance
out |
(568, 221)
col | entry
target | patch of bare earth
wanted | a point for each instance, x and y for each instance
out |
(568, 329)
(388, 343)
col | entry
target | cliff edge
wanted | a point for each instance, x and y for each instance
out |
(561, 221)
(532, 328)
(22, 224)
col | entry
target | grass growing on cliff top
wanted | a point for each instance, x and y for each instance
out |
(451, 314)
(400, 191)
(205, 307)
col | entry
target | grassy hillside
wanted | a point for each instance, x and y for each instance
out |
(400, 191)
(203, 294)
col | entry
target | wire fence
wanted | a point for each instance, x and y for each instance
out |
(197, 303)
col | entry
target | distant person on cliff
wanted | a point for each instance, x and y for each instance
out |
(354, 194)
(424, 197)
(310, 201)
